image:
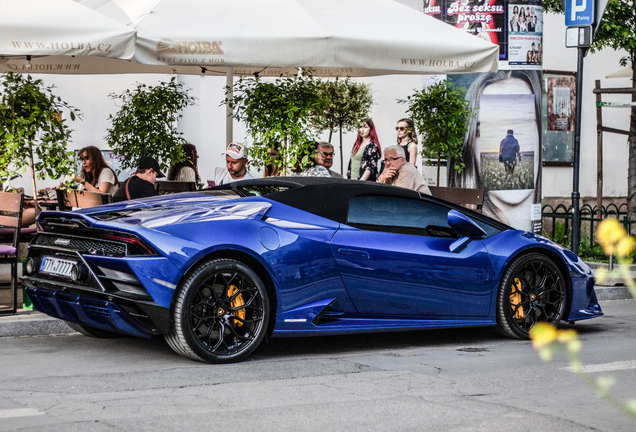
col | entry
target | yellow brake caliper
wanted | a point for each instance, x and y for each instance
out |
(515, 299)
(236, 303)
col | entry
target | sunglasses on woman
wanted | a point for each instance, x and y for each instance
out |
(400, 128)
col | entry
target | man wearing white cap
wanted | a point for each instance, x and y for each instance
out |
(235, 167)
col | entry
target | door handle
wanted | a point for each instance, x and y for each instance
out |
(353, 253)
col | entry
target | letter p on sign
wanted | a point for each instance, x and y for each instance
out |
(577, 8)
(579, 12)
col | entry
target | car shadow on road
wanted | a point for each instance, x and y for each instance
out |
(434, 338)
(467, 339)
(342, 344)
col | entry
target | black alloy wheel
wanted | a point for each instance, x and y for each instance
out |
(532, 290)
(220, 314)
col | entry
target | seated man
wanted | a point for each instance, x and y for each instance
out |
(235, 167)
(399, 172)
(324, 157)
(141, 183)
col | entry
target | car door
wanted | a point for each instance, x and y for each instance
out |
(394, 258)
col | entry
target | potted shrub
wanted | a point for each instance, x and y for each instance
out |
(441, 114)
(146, 123)
(277, 115)
(345, 104)
(33, 132)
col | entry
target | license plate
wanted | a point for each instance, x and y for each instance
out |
(57, 266)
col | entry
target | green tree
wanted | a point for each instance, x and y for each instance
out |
(345, 104)
(441, 114)
(277, 114)
(617, 30)
(146, 123)
(32, 131)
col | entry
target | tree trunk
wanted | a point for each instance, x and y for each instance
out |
(341, 161)
(438, 168)
(631, 174)
(330, 134)
(35, 191)
(285, 157)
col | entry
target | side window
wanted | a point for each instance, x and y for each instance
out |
(400, 216)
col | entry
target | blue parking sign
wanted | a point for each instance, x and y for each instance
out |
(579, 12)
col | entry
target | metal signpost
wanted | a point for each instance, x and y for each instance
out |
(582, 18)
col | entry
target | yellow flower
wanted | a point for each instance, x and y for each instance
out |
(609, 232)
(565, 336)
(542, 334)
(601, 275)
(625, 246)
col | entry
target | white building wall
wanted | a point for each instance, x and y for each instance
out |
(557, 182)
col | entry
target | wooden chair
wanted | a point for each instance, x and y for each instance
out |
(67, 200)
(169, 187)
(469, 198)
(11, 206)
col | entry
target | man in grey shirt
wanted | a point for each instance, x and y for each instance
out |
(399, 172)
(324, 157)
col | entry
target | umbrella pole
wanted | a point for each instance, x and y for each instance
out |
(229, 121)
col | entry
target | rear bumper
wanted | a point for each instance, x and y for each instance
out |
(143, 319)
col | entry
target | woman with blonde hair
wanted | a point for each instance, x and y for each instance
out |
(407, 139)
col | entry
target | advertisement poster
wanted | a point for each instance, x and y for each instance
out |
(524, 52)
(525, 35)
(561, 101)
(517, 27)
(525, 18)
(507, 128)
(502, 150)
(483, 18)
(432, 8)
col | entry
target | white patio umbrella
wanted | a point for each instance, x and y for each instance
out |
(621, 73)
(333, 37)
(60, 28)
(372, 35)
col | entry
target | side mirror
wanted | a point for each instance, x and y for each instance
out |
(463, 225)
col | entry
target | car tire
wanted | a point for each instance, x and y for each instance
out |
(220, 312)
(532, 289)
(92, 331)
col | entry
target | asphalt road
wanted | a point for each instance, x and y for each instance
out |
(440, 380)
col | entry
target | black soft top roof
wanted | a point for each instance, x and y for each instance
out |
(322, 196)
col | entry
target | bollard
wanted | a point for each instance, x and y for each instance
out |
(26, 301)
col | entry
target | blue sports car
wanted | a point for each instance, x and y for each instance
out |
(219, 270)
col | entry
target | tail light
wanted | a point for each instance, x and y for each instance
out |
(136, 246)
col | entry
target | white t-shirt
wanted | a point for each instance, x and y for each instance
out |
(221, 176)
(107, 176)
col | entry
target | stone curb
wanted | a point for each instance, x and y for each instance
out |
(615, 278)
(33, 323)
(612, 293)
